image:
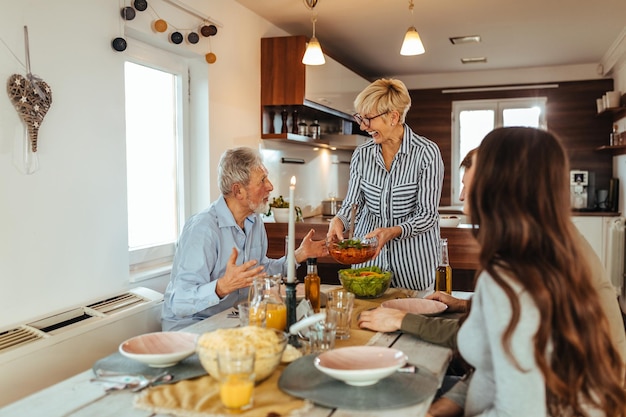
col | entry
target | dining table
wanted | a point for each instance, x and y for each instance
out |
(80, 396)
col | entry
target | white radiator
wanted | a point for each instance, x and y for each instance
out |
(45, 351)
(615, 258)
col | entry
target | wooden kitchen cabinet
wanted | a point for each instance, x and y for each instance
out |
(284, 87)
(282, 71)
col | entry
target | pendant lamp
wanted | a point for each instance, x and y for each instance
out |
(412, 44)
(313, 54)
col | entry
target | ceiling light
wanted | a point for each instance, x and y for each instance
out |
(412, 44)
(457, 40)
(477, 60)
(313, 54)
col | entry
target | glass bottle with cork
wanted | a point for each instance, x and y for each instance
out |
(312, 284)
(443, 274)
(615, 137)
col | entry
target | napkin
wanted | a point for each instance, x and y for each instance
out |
(199, 397)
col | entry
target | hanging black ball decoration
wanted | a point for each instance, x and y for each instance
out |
(193, 37)
(176, 37)
(128, 13)
(119, 44)
(140, 5)
(208, 30)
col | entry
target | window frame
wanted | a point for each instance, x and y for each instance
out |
(497, 106)
(151, 261)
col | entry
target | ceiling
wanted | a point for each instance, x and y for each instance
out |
(366, 35)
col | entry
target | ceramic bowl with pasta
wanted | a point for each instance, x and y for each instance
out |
(269, 345)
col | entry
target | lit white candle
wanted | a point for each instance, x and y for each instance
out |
(291, 233)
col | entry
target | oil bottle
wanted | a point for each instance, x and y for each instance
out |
(443, 274)
(312, 284)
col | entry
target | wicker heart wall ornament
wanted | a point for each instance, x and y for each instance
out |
(32, 98)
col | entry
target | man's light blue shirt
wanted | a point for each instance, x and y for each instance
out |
(204, 247)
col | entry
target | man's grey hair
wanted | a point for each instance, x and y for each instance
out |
(235, 167)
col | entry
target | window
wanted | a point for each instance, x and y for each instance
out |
(473, 119)
(154, 147)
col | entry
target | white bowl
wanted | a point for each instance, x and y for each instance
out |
(416, 305)
(269, 345)
(281, 215)
(360, 365)
(449, 221)
(160, 349)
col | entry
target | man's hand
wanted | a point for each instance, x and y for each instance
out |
(455, 305)
(237, 276)
(381, 319)
(310, 248)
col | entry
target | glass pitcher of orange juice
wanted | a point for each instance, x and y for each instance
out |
(266, 289)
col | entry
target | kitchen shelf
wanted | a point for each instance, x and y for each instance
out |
(294, 137)
(333, 142)
(615, 149)
(616, 112)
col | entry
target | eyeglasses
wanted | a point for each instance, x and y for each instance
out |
(366, 120)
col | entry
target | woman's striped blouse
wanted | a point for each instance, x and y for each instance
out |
(407, 196)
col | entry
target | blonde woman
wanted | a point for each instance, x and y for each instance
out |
(396, 180)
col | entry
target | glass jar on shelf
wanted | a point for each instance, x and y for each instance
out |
(315, 130)
(303, 128)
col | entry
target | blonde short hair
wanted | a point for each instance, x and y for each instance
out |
(384, 95)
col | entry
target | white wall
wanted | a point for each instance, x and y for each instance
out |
(63, 229)
(321, 175)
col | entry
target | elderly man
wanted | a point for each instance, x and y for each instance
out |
(223, 248)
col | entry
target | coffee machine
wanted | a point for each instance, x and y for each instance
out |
(579, 183)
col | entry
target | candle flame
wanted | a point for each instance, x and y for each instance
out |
(293, 180)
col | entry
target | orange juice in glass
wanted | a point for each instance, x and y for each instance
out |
(236, 377)
(276, 316)
(236, 391)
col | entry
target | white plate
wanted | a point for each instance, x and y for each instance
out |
(160, 349)
(360, 365)
(416, 305)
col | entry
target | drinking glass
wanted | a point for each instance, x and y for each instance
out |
(235, 367)
(252, 315)
(323, 333)
(341, 302)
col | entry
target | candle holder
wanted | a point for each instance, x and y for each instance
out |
(290, 302)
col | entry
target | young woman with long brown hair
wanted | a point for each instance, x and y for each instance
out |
(536, 333)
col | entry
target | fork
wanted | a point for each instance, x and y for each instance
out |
(148, 382)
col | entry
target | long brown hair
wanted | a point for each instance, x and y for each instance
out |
(520, 201)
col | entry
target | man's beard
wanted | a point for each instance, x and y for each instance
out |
(260, 208)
